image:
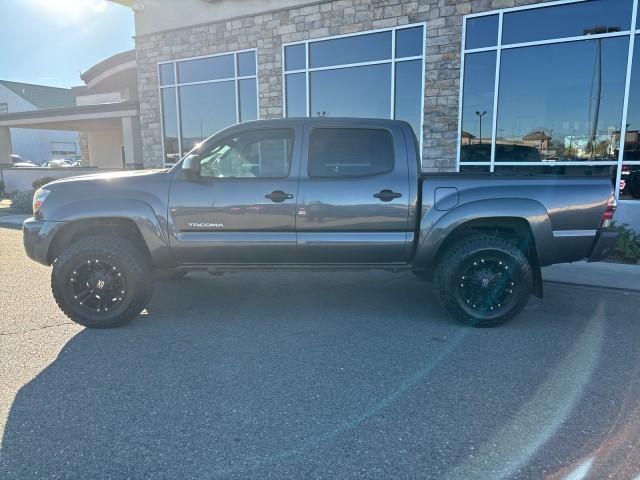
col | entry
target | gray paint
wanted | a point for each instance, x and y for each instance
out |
(345, 231)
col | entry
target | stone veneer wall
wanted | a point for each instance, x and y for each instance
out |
(268, 31)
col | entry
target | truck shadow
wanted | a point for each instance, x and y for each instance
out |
(224, 377)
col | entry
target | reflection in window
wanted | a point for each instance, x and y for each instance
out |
(351, 92)
(409, 42)
(630, 178)
(408, 106)
(296, 95)
(208, 105)
(167, 76)
(246, 64)
(352, 76)
(248, 99)
(211, 68)
(295, 57)
(354, 49)
(562, 100)
(205, 109)
(170, 125)
(349, 152)
(568, 20)
(477, 107)
(259, 153)
(481, 32)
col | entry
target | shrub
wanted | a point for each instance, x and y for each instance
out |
(628, 245)
(22, 202)
(39, 182)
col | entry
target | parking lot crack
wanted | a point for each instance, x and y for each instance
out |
(18, 332)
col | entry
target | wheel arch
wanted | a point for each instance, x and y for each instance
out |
(526, 221)
(134, 221)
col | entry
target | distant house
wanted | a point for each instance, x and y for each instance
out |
(38, 146)
(537, 138)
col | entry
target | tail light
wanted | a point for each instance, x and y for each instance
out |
(607, 216)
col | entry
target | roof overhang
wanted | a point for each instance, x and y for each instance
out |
(79, 118)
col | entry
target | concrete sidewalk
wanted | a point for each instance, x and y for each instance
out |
(600, 274)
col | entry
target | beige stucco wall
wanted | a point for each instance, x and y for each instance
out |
(158, 15)
(104, 148)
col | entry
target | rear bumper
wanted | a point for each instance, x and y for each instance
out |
(37, 236)
(604, 246)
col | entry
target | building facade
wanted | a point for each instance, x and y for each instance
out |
(37, 145)
(509, 86)
(101, 116)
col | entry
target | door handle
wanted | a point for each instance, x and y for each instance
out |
(278, 196)
(387, 195)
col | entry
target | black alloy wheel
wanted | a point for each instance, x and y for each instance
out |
(484, 280)
(102, 281)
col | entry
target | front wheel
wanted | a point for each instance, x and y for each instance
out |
(484, 280)
(102, 281)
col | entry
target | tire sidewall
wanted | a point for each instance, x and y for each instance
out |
(136, 285)
(456, 259)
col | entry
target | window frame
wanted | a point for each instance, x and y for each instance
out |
(217, 141)
(499, 47)
(176, 86)
(348, 177)
(393, 60)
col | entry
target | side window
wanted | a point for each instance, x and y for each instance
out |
(350, 152)
(258, 153)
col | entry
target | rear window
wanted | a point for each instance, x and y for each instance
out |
(350, 152)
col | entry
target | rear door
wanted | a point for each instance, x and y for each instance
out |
(354, 194)
(241, 209)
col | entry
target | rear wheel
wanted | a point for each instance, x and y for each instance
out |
(484, 280)
(102, 281)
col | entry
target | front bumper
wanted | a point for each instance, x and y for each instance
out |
(604, 246)
(37, 236)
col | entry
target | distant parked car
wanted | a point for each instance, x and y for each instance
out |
(481, 152)
(630, 181)
(58, 163)
(18, 161)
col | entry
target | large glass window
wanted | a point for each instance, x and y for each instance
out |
(547, 93)
(477, 107)
(170, 125)
(258, 153)
(630, 176)
(205, 108)
(568, 20)
(350, 152)
(360, 75)
(569, 106)
(204, 95)
(359, 91)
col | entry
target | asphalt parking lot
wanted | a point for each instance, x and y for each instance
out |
(313, 375)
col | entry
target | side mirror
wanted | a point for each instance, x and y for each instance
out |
(191, 167)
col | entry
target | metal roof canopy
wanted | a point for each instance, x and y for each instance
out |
(78, 118)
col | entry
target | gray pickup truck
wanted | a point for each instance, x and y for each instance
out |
(307, 194)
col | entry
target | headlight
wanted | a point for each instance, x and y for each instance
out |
(38, 199)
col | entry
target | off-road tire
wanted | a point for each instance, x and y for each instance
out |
(448, 279)
(131, 261)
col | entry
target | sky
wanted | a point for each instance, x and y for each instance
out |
(49, 42)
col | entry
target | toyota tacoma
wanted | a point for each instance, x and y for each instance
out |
(321, 193)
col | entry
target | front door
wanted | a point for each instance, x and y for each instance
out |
(354, 195)
(241, 208)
